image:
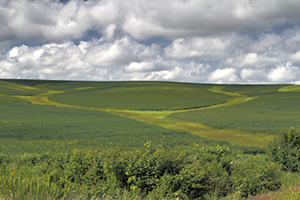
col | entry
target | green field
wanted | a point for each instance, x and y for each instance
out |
(106, 113)
(137, 95)
(28, 127)
(133, 140)
(268, 113)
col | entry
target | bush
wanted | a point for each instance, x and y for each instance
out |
(251, 178)
(285, 150)
(150, 172)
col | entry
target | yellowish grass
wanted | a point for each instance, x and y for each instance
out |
(290, 88)
(233, 136)
(86, 88)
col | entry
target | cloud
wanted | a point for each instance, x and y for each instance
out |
(284, 73)
(223, 75)
(183, 60)
(252, 74)
(53, 21)
(296, 57)
(257, 61)
(232, 41)
(205, 48)
(88, 59)
(147, 66)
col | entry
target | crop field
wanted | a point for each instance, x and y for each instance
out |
(138, 95)
(34, 128)
(146, 137)
(29, 127)
(250, 115)
(271, 111)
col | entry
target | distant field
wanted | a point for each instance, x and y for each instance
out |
(137, 95)
(268, 113)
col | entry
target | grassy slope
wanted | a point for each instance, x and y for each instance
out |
(268, 113)
(234, 114)
(154, 117)
(159, 117)
(290, 88)
(137, 95)
(26, 127)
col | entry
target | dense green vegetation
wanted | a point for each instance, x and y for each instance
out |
(152, 172)
(285, 150)
(268, 113)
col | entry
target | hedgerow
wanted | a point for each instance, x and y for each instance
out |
(149, 172)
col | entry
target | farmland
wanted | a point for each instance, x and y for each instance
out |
(54, 120)
(28, 127)
(139, 96)
(268, 113)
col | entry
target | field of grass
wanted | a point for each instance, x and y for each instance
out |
(87, 97)
(31, 128)
(268, 113)
(137, 95)
(44, 123)
(28, 127)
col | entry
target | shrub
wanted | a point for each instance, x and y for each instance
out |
(251, 178)
(285, 149)
(150, 172)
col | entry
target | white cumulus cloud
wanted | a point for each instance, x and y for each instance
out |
(231, 41)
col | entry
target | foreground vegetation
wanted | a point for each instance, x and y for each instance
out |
(151, 172)
(154, 172)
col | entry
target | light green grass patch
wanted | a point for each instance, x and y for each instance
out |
(290, 88)
(85, 88)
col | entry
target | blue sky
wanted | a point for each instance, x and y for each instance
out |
(204, 41)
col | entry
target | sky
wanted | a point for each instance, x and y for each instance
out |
(202, 41)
